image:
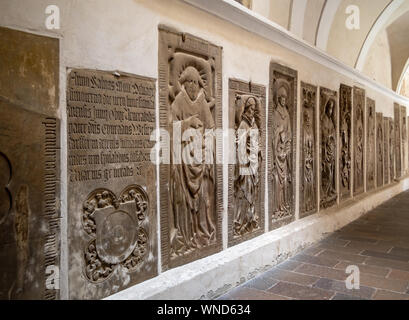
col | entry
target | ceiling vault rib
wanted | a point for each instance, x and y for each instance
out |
(374, 31)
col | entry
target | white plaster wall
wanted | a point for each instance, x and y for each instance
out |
(312, 17)
(380, 51)
(280, 12)
(122, 35)
(345, 44)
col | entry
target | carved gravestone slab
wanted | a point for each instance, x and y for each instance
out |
(282, 132)
(247, 109)
(370, 144)
(308, 150)
(29, 202)
(328, 142)
(29, 166)
(359, 139)
(404, 137)
(385, 150)
(379, 149)
(191, 190)
(111, 182)
(391, 149)
(345, 141)
(398, 141)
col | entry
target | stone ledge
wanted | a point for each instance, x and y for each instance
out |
(210, 277)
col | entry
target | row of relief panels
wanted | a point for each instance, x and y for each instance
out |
(112, 190)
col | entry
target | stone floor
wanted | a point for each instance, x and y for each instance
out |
(378, 243)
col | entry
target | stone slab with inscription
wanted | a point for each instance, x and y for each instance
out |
(111, 182)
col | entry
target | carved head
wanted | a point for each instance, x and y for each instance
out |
(307, 121)
(192, 82)
(250, 107)
(282, 95)
(329, 107)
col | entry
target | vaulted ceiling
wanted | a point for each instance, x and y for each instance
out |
(379, 47)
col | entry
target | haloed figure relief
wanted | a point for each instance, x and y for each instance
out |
(191, 185)
(190, 108)
(328, 152)
(247, 173)
(379, 149)
(308, 193)
(359, 105)
(283, 88)
(345, 141)
(370, 138)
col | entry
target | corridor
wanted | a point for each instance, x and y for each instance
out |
(377, 243)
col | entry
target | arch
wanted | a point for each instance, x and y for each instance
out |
(376, 28)
(324, 26)
(402, 76)
(297, 15)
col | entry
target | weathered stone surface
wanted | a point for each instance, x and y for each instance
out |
(308, 150)
(29, 166)
(404, 136)
(345, 141)
(282, 132)
(359, 143)
(391, 149)
(370, 144)
(190, 84)
(328, 147)
(247, 112)
(379, 150)
(29, 70)
(386, 150)
(398, 141)
(111, 182)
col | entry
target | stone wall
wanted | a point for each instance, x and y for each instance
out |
(176, 231)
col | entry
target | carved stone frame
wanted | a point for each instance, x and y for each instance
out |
(370, 156)
(325, 95)
(81, 286)
(359, 97)
(391, 150)
(398, 141)
(278, 71)
(386, 179)
(404, 138)
(171, 41)
(345, 91)
(306, 87)
(379, 123)
(239, 87)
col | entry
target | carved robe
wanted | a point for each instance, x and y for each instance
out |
(309, 193)
(359, 151)
(328, 158)
(282, 137)
(192, 185)
(371, 166)
(246, 182)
